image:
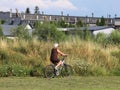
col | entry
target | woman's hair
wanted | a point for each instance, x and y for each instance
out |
(56, 45)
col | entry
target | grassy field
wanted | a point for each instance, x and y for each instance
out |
(68, 83)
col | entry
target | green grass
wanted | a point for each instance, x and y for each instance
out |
(68, 83)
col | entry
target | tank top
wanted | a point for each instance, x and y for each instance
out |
(54, 54)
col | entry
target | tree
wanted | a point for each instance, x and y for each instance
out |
(97, 22)
(37, 10)
(21, 32)
(62, 24)
(79, 23)
(101, 22)
(48, 32)
(1, 32)
(27, 10)
(2, 21)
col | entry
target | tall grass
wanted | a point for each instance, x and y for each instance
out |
(86, 57)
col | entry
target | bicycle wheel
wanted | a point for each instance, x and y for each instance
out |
(67, 70)
(49, 71)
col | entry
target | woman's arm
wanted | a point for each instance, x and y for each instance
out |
(61, 53)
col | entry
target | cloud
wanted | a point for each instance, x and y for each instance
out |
(42, 4)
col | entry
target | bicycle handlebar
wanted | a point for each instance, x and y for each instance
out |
(64, 58)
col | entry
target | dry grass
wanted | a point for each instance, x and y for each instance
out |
(79, 51)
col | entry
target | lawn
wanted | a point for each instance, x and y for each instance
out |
(68, 83)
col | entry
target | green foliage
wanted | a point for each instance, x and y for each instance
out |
(100, 38)
(48, 32)
(37, 10)
(79, 24)
(1, 32)
(24, 57)
(5, 71)
(101, 22)
(27, 10)
(13, 70)
(19, 70)
(21, 32)
(21, 49)
(116, 54)
(87, 34)
(37, 70)
(114, 37)
(81, 67)
(62, 24)
(4, 56)
(97, 71)
(82, 34)
(2, 21)
(97, 22)
(115, 72)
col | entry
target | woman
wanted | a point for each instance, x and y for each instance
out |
(54, 56)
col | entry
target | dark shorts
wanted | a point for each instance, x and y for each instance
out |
(55, 61)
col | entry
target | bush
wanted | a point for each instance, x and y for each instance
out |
(4, 56)
(5, 71)
(19, 70)
(115, 72)
(13, 70)
(21, 49)
(37, 70)
(82, 34)
(100, 38)
(21, 33)
(48, 32)
(97, 71)
(114, 37)
(81, 68)
(1, 32)
(116, 54)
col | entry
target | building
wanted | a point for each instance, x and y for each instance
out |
(94, 30)
(23, 18)
(7, 30)
(13, 19)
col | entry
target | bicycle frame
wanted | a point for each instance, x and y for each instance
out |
(62, 65)
(64, 70)
(63, 62)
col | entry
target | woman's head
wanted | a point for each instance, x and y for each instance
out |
(56, 45)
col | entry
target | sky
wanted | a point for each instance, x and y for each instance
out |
(72, 7)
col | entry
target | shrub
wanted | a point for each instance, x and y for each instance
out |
(47, 31)
(37, 70)
(97, 70)
(4, 56)
(20, 70)
(21, 49)
(21, 32)
(116, 54)
(101, 22)
(5, 71)
(100, 38)
(114, 37)
(115, 72)
(81, 68)
(13, 70)
(1, 32)
(82, 34)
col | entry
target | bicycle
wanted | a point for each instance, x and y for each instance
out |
(64, 70)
